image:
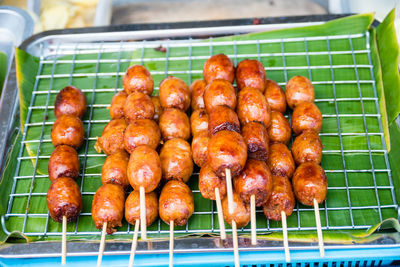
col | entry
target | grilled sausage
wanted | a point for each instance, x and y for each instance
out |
(309, 183)
(256, 137)
(280, 160)
(208, 181)
(108, 207)
(117, 105)
(219, 67)
(279, 130)
(158, 110)
(176, 160)
(282, 199)
(219, 93)
(115, 168)
(176, 203)
(70, 101)
(138, 79)
(141, 132)
(64, 199)
(144, 169)
(275, 96)
(306, 116)
(132, 207)
(174, 123)
(240, 214)
(299, 89)
(67, 130)
(223, 118)
(138, 106)
(112, 138)
(251, 73)
(197, 88)
(307, 147)
(199, 121)
(252, 106)
(227, 150)
(199, 148)
(174, 93)
(63, 162)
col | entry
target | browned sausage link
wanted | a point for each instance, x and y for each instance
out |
(174, 93)
(132, 207)
(307, 147)
(108, 206)
(309, 183)
(158, 110)
(199, 148)
(241, 211)
(208, 181)
(280, 160)
(112, 138)
(306, 116)
(275, 96)
(299, 89)
(255, 179)
(70, 101)
(282, 199)
(138, 106)
(64, 199)
(144, 169)
(68, 130)
(223, 118)
(257, 141)
(252, 106)
(251, 73)
(141, 132)
(227, 150)
(197, 88)
(114, 169)
(176, 203)
(199, 121)
(176, 160)
(219, 93)
(63, 162)
(174, 123)
(219, 67)
(117, 105)
(138, 79)
(279, 130)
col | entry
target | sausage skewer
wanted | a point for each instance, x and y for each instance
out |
(134, 243)
(220, 215)
(102, 244)
(285, 236)
(64, 241)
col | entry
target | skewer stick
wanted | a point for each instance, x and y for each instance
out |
(134, 243)
(235, 244)
(64, 241)
(171, 243)
(220, 216)
(253, 220)
(143, 230)
(285, 236)
(102, 244)
(229, 189)
(319, 230)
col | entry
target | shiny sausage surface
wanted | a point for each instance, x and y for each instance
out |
(197, 89)
(299, 89)
(208, 181)
(251, 73)
(219, 93)
(280, 160)
(252, 106)
(199, 121)
(174, 93)
(306, 116)
(63, 162)
(223, 118)
(307, 147)
(138, 79)
(174, 123)
(112, 138)
(68, 130)
(241, 211)
(117, 105)
(70, 101)
(114, 169)
(279, 130)
(158, 110)
(132, 207)
(199, 148)
(141, 132)
(219, 67)
(256, 137)
(138, 106)
(275, 96)
(282, 199)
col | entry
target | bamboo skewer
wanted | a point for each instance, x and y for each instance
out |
(171, 243)
(228, 178)
(102, 244)
(319, 230)
(285, 236)
(235, 244)
(220, 215)
(253, 220)
(134, 243)
(64, 241)
(143, 230)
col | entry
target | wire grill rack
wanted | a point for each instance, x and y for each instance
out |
(354, 157)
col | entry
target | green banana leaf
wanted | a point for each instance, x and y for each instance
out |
(365, 201)
(3, 69)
